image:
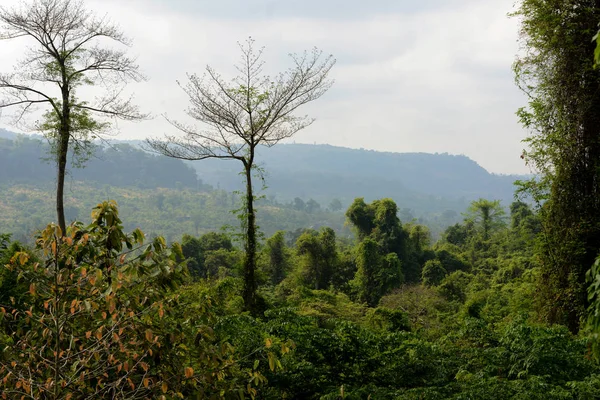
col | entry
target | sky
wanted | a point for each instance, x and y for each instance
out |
(411, 76)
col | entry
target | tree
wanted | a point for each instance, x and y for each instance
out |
(239, 115)
(206, 254)
(489, 215)
(459, 234)
(67, 53)
(335, 205)
(299, 204)
(312, 206)
(519, 212)
(102, 320)
(319, 257)
(192, 251)
(379, 221)
(376, 274)
(563, 117)
(433, 273)
(278, 257)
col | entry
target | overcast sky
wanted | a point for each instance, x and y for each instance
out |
(411, 76)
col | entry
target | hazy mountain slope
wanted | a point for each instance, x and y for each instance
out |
(424, 183)
(4, 134)
(420, 181)
(24, 160)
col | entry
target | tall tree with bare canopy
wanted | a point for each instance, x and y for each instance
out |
(238, 115)
(67, 50)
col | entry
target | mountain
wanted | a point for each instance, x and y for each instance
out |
(26, 160)
(422, 182)
(4, 134)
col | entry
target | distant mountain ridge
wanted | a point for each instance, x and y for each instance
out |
(422, 182)
(4, 134)
(25, 160)
(324, 172)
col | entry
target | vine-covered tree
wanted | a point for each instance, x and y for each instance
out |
(563, 116)
(318, 257)
(66, 51)
(377, 274)
(239, 115)
(379, 221)
(278, 257)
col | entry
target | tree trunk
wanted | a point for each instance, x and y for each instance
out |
(61, 160)
(249, 293)
(62, 149)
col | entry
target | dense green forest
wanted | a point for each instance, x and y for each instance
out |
(388, 314)
(360, 275)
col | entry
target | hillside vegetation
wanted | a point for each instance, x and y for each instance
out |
(313, 182)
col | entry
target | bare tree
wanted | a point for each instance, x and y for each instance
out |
(66, 52)
(239, 115)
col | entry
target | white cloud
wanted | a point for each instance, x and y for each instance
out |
(434, 79)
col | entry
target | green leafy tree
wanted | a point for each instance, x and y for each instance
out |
(319, 257)
(420, 237)
(66, 54)
(215, 241)
(278, 257)
(191, 250)
(209, 253)
(433, 273)
(487, 216)
(519, 212)
(556, 72)
(362, 217)
(379, 221)
(242, 114)
(376, 274)
(459, 234)
(12, 290)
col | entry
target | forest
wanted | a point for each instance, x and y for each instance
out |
(134, 278)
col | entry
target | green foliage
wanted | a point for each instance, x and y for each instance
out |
(361, 334)
(487, 216)
(100, 319)
(209, 256)
(183, 211)
(424, 306)
(83, 130)
(433, 273)
(593, 318)
(278, 257)
(376, 274)
(379, 222)
(454, 286)
(318, 257)
(388, 319)
(459, 234)
(556, 71)
(12, 290)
